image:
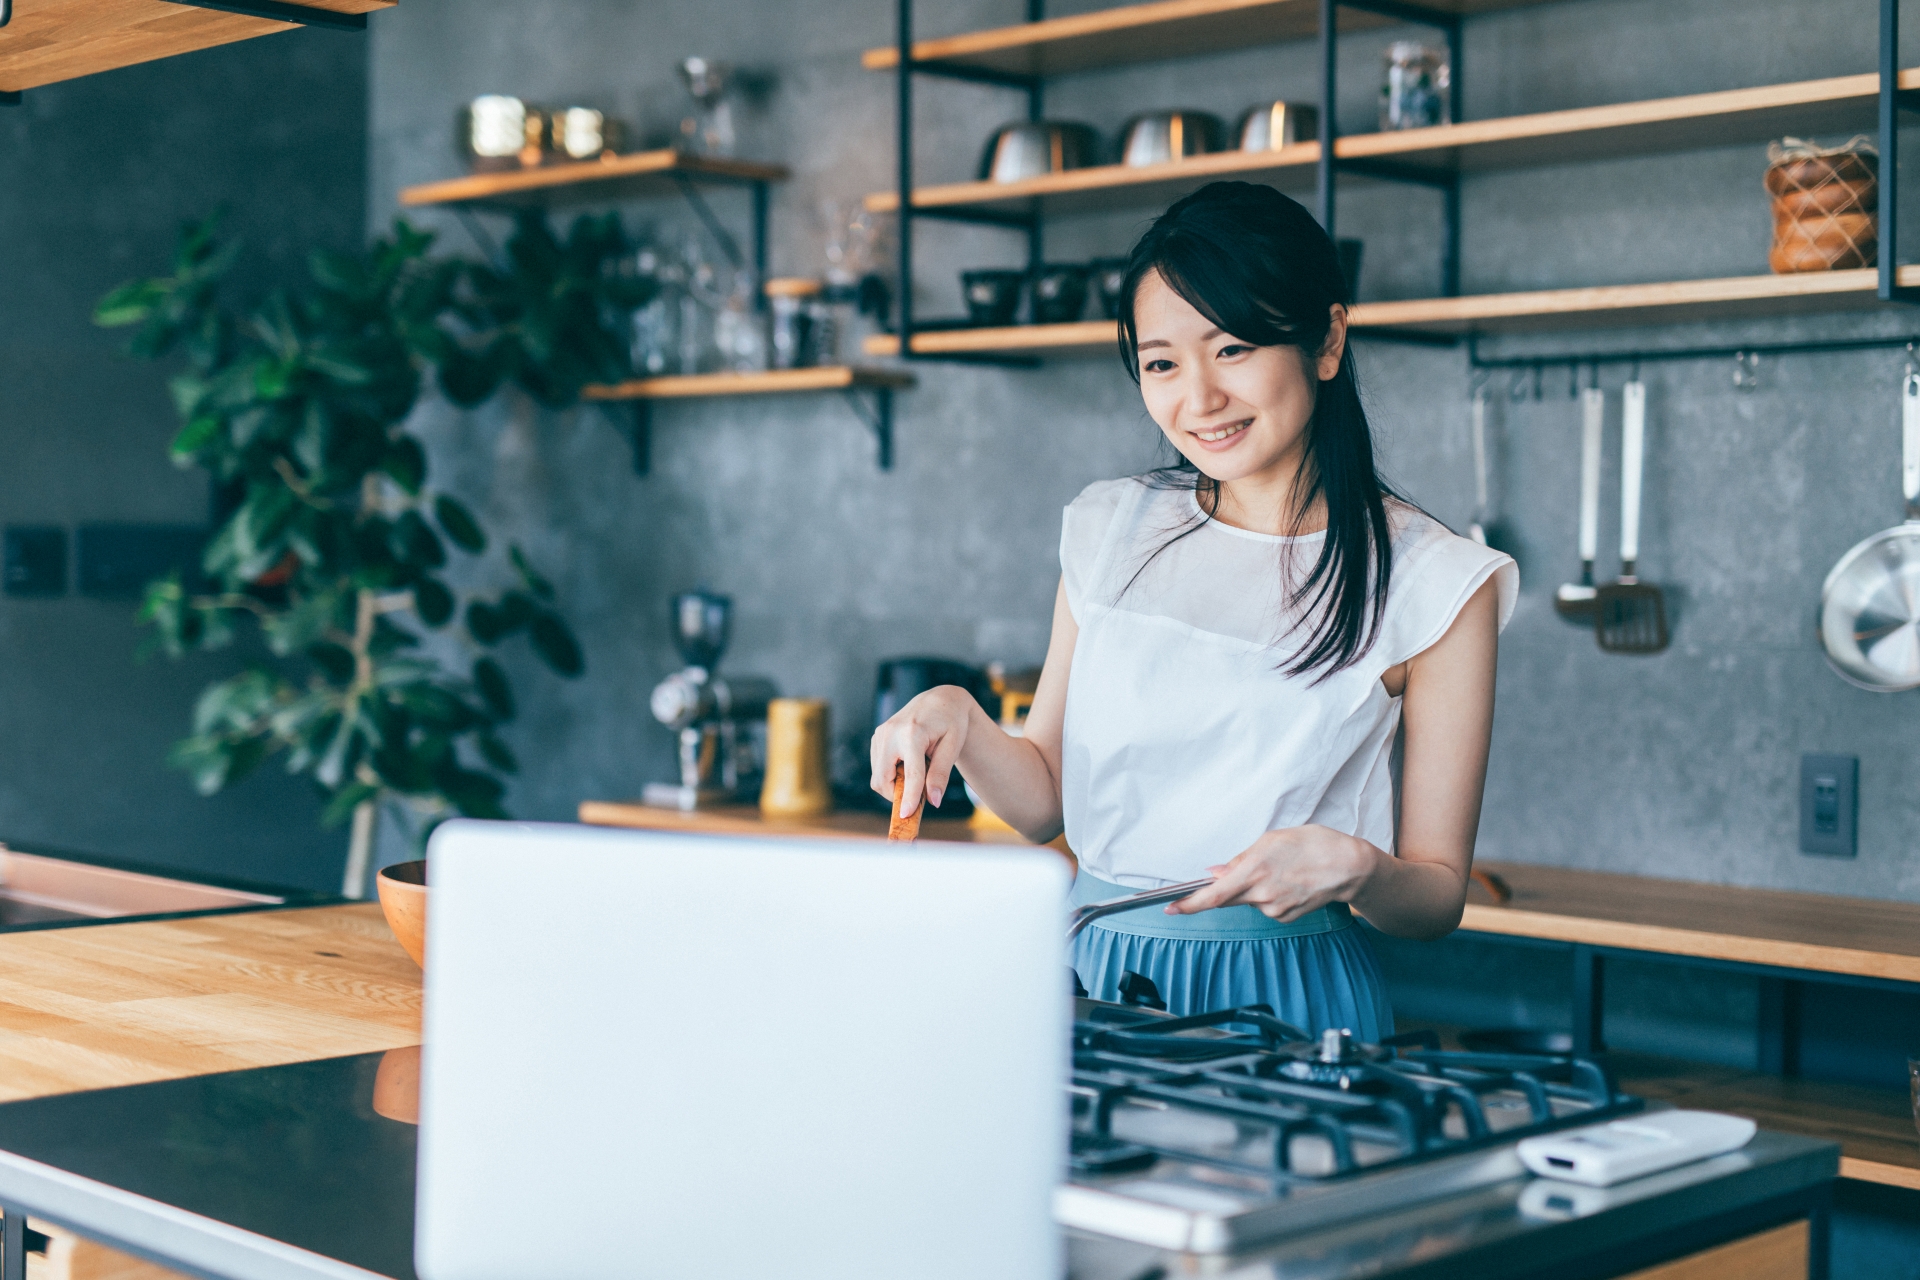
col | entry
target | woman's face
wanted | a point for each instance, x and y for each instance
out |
(1236, 411)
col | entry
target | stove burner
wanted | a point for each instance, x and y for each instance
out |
(1239, 1089)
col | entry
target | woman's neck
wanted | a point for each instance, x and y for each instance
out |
(1267, 502)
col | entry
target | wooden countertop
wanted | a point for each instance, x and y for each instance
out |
(1863, 937)
(113, 1004)
(746, 820)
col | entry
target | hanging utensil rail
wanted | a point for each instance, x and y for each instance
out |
(1574, 360)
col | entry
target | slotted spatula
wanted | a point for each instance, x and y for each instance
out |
(1630, 616)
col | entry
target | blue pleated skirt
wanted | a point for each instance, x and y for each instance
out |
(1313, 981)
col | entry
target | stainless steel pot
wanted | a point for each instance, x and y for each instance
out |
(1031, 148)
(1870, 604)
(1273, 125)
(1160, 136)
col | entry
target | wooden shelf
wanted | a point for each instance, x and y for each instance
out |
(1112, 185)
(1842, 104)
(772, 381)
(1730, 298)
(49, 41)
(1020, 339)
(1143, 33)
(614, 177)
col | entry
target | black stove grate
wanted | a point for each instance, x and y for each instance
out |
(1241, 1090)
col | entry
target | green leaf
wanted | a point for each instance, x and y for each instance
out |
(131, 303)
(335, 661)
(491, 680)
(497, 754)
(484, 622)
(345, 801)
(516, 609)
(405, 463)
(433, 602)
(459, 524)
(414, 543)
(193, 438)
(535, 583)
(556, 646)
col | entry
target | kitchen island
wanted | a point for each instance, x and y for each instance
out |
(250, 1140)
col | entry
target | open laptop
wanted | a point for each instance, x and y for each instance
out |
(662, 1055)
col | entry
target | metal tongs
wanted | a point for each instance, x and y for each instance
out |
(1086, 915)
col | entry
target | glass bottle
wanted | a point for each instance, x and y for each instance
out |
(1415, 89)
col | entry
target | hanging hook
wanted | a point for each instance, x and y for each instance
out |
(1593, 376)
(1516, 385)
(1636, 371)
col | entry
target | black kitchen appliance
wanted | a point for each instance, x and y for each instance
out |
(900, 681)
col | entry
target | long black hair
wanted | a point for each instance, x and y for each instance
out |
(1257, 265)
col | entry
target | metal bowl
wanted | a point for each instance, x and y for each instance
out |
(1273, 125)
(1034, 147)
(1161, 136)
(1870, 612)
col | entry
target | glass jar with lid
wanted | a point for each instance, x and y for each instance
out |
(794, 302)
(1415, 91)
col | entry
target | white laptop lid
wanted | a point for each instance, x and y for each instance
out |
(657, 1055)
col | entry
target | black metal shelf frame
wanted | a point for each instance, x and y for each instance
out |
(876, 415)
(1893, 100)
(906, 67)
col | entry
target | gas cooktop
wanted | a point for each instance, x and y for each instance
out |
(1221, 1130)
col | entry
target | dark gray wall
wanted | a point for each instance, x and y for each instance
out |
(1678, 765)
(98, 174)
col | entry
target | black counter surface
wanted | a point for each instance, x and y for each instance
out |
(296, 1155)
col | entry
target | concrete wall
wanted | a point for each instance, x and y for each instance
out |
(99, 173)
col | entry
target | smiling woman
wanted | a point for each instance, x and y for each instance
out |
(1237, 639)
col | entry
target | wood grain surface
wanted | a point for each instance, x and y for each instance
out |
(636, 173)
(765, 382)
(115, 1004)
(53, 40)
(1779, 1254)
(1863, 937)
(746, 820)
(1841, 104)
(1152, 32)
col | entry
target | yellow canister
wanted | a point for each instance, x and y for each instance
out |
(797, 784)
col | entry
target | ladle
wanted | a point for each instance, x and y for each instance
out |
(1574, 601)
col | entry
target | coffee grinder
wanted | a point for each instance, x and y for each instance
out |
(721, 723)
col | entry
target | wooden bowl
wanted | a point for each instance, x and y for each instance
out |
(403, 896)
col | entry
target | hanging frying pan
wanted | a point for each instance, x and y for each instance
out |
(1870, 605)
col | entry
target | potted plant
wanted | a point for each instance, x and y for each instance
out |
(382, 685)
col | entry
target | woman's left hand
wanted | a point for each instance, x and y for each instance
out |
(1288, 873)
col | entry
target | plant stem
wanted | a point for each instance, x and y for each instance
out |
(366, 817)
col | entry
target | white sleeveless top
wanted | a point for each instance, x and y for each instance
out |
(1184, 740)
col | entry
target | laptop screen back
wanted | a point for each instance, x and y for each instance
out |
(687, 1056)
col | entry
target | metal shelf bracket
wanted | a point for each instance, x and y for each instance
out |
(879, 420)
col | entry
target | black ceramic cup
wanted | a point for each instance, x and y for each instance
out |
(1108, 275)
(1059, 293)
(992, 296)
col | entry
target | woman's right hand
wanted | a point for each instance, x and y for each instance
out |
(926, 735)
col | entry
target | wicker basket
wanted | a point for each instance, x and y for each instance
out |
(1824, 202)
